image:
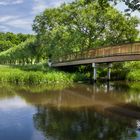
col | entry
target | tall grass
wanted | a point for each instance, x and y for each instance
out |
(17, 76)
(36, 67)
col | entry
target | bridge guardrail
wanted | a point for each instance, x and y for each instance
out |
(124, 49)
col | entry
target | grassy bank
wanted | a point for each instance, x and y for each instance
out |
(31, 77)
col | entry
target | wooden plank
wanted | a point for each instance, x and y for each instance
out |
(119, 58)
(124, 52)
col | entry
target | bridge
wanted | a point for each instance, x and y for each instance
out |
(108, 54)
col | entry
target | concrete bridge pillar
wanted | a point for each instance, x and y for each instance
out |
(109, 71)
(94, 72)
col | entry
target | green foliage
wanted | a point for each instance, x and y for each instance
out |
(66, 29)
(73, 27)
(23, 53)
(132, 5)
(126, 71)
(5, 45)
(78, 77)
(81, 25)
(133, 69)
(16, 48)
(35, 67)
(14, 38)
(17, 76)
(134, 75)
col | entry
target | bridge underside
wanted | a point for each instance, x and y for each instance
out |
(108, 59)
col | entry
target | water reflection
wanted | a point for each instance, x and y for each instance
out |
(83, 124)
(107, 111)
(16, 120)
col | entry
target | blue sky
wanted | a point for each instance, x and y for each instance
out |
(17, 15)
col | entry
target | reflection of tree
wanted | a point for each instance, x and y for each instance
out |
(83, 124)
(130, 92)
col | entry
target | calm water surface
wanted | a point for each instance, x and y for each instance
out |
(82, 112)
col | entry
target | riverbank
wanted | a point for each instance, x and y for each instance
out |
(34, 75)
(41, 74)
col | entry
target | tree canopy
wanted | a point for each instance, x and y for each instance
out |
(10, 40)
(80, 25)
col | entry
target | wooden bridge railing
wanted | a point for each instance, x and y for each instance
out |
(118, 50)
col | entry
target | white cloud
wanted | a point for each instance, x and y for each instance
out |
(41, 5)
(138, 27)
(7, 18)
(10, 22)
(10, 2)
(14, 103)
(23, 23)
(3, 28)
(15, 17)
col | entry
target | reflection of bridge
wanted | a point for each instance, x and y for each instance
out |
(109, 54)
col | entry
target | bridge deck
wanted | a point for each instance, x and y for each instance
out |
(125, 52)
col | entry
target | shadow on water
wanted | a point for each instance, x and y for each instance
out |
(102, 111)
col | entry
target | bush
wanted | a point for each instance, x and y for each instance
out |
(134, 75)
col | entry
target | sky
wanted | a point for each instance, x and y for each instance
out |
(17, 15)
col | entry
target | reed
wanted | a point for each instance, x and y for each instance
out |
(18, 76)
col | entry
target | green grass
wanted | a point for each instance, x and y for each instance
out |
(30, 77)
(35, 67)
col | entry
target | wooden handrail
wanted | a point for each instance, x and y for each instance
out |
(122, 49)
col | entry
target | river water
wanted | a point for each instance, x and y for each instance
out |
(107, 111)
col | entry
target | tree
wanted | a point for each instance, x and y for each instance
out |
(5, 45)
(132, 5)
(81, 25)
(20, 54)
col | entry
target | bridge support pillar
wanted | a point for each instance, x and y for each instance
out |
(109, 71)
(94, 72)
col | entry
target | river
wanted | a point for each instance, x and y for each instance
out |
(102, 111)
